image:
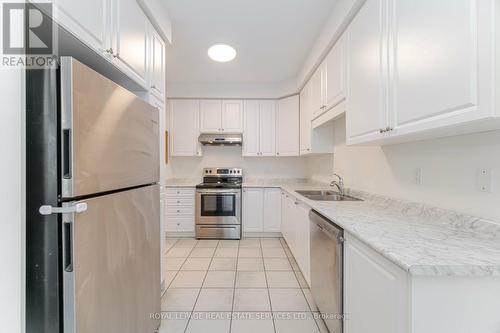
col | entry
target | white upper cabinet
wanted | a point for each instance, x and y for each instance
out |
(267, 126)
(221, 116)
(89, 20)
(130, 40)
(407, 80)
(184, 130)
(210, 116)
(157, 64)
(305, 119)
(232, 116)
(317, 91)
(334, 76)
(287, 127)
(259, 128)
(251, 129)
(442, 70)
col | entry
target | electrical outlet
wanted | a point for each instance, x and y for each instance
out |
(418, 176)
(484, 180)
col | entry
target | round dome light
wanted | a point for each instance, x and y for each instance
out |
(221, 53)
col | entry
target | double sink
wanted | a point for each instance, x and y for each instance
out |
(324, 195)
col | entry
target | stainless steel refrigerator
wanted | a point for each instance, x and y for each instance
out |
(93, 224)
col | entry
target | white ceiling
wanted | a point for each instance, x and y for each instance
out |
(272, 38)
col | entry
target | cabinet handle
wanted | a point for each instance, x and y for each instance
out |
(277, 153)
(178, 201)
(178, 211)
(388, 129)
(381, 131)
(153, 87)
(222, 129)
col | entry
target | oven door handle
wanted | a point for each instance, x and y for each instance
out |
(218, 191)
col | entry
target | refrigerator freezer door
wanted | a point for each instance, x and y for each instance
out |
(111, 263)
(109, 136)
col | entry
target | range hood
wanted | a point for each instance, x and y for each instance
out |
(220, 139)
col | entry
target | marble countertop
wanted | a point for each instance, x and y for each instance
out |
(421, 239)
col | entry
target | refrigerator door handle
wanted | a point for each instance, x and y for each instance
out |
(77, 208)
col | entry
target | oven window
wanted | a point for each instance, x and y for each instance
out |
(218, 205)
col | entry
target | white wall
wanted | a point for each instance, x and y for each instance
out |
(12, 200)
(449, 169)
(253, 167)
(320, 168)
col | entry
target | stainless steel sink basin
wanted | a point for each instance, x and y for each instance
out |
(324, 195)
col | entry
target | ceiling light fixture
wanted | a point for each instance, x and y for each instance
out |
(221, 52)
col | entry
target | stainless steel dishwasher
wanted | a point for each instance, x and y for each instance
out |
(327, 252)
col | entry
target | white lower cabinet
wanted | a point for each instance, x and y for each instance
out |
(375, 291)
(261, 210)
(180, 210)
(295, 230)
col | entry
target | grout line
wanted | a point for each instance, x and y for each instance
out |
(267, 284)
(234, 286)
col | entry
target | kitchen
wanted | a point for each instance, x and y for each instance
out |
(282, 166)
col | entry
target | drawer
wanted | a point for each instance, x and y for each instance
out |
(180, 192)
(180, 224)
(179, 201)
(180, 210)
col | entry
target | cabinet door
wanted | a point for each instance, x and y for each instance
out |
(232, 116)
(157, 67)
(334, 88)
(291, 216)
(366, 111)
(272, 209)
(251, 129)
(267, 125)
(89, 20)
(374, 291)
(305, 120)
(441, 68)
(210, 116)
(287, 127)
(184, 130)
(317, 104)
(131, 39)
(253, 214)
(302, 240)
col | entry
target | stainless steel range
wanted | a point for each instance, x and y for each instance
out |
(218, 204)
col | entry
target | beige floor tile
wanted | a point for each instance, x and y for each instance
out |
(250, 242)
(250, 252)
(219, 279)
(173, 264)
(277, 264)
(186, 242)
(207, 243)
(282, 279)
(178, 252)
(229, 243)
(174, 322)
(196, 264)
(251, 322)
(251, 280)
(273, 252)
(310, 300)
(188, 279)
(169, 277)
(250, 264)
(300, 323)
(209, 323)
(288, 300)
(231, 252)
(179, 299)
(251, 300)
(270, 242)
(202, 252)
(223, 264)
(215, 300)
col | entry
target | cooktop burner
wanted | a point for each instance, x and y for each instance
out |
(221, 178)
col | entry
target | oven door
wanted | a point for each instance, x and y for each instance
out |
(218, 206)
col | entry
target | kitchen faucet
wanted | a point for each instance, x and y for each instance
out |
(339, 184)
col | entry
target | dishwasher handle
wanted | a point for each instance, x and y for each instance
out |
(328, 227)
